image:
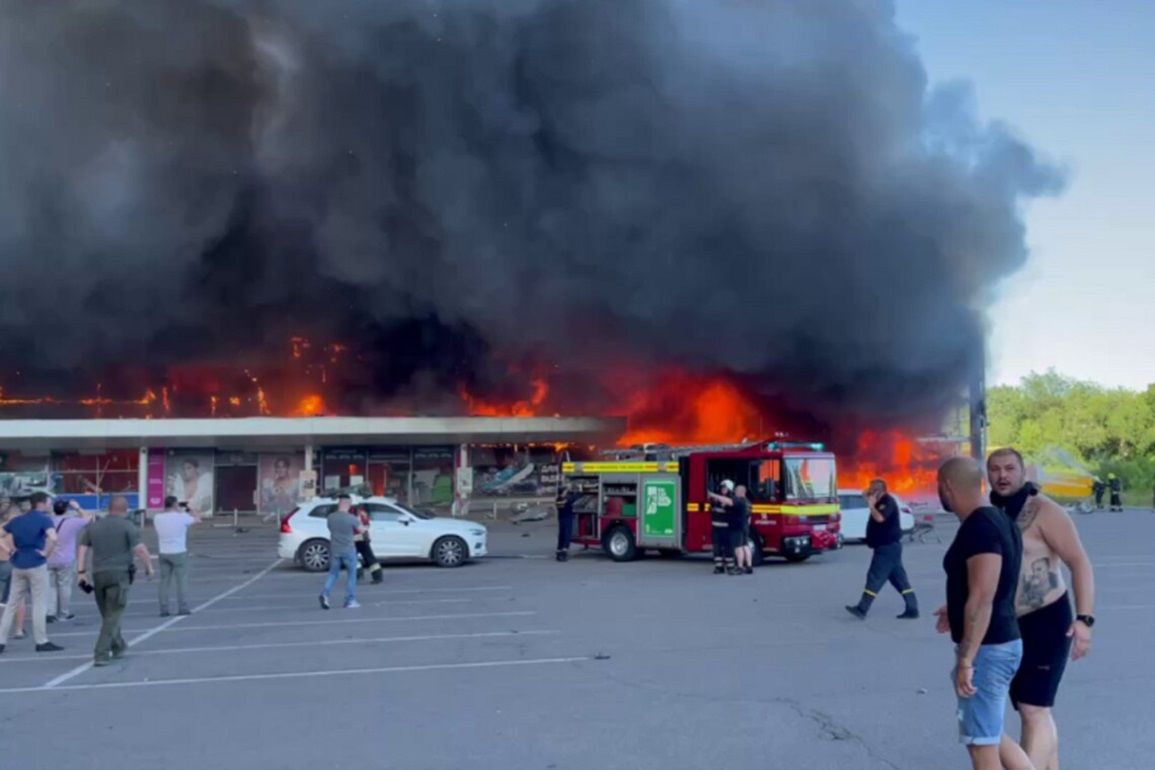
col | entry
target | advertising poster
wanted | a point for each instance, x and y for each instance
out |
(156, 479)
(189, 478)
(279, 482)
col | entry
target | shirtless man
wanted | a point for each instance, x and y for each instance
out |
(1050, 632)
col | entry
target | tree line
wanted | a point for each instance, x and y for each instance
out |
(1107, 430)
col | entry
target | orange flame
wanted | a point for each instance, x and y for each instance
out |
(908, 466)
(480, 408)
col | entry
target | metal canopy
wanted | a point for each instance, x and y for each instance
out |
(283, 432)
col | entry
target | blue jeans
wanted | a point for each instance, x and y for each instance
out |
(980, 717)
(347, 560)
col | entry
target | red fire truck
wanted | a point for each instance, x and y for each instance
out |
(654, 497)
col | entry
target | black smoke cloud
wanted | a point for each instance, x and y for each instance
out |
(768, 189)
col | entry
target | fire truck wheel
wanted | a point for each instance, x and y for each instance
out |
(619, 544)
(757, 555)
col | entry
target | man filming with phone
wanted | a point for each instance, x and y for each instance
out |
(113, 541)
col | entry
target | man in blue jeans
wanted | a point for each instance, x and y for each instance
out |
(982, 572)
(344, 527)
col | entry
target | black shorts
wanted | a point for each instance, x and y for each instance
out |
(739, 533)
(1046, 650)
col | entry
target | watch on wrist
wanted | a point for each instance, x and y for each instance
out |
(1086, 620)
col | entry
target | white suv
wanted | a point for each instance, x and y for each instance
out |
(395, 532)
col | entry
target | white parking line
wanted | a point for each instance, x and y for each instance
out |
(393, 592)
(299, 675)
(67, 676)
(168, 625)
(283, 645)
(299, 604)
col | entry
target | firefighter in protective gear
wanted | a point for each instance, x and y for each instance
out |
(1115, 484)
(720, 527)
(365, 550)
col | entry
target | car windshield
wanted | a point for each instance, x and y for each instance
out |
(852, 501)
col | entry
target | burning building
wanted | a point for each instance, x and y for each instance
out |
(718, 219)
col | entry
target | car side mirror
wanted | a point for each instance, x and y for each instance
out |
(404, 520)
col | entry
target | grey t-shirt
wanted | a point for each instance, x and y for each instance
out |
(111, 540)
(342, 527)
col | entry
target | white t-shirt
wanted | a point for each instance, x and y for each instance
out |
(172, 531)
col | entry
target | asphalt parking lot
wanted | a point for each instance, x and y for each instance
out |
(520, 662)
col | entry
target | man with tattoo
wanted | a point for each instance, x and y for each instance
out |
(982, 569)
(1051, 632)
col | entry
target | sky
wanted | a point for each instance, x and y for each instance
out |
(1074, 77)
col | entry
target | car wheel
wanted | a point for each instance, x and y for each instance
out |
(757, 555)
(314, 555)
(619, 544)
(450, 552)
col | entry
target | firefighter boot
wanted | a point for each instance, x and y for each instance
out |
(911, 612)
(859, 610)
(377, 573)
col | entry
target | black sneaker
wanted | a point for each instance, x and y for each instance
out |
(909, 615)
(184, 611)
(69, 616)
(48, 647)
(50, 619)
(165, 613)
(118, 653)
(1, 649)
(856, 611)
(324, 601)
(749, 570)
(719, 570)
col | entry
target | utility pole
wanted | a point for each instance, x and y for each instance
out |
(978, 411)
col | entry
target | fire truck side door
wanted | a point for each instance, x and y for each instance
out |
(660, 511)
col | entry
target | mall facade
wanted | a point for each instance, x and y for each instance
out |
(267, 465)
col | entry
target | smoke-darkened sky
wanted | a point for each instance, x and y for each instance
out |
(766, 188)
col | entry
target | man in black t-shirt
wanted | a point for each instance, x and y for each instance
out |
(884, 537)
(982, 570)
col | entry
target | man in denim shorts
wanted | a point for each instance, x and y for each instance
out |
(982, 571)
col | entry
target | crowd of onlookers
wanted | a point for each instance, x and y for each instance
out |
(68, 520)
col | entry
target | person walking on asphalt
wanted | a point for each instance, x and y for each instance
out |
(113, 541)
(172, 527)
(365, 548)
(343, 529)
(30, 537)
(69, 520)
(565, 520)
(884, 537)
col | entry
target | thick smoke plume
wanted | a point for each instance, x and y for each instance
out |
(468, 190)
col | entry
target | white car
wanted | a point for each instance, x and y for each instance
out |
(856, 512)
(395, 532)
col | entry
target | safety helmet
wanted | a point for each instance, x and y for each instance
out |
(728, 485)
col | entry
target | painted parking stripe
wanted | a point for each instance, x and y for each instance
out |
(288, 645)
(148, 634)
(335, 621)
(299, 675)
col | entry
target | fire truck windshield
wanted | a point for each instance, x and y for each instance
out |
(809, 478)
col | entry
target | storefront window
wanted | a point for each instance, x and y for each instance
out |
(78, 474)
(432, 476)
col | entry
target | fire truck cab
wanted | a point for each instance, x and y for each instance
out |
(654, 497)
